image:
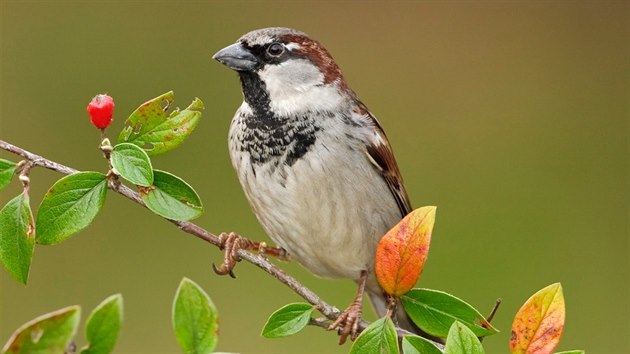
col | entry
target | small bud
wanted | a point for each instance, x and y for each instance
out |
(101, 109)
(261, 247)
(106, 142)
(24, 179)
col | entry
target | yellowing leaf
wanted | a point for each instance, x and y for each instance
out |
(538, 325)
(401, 253)
(155, 130)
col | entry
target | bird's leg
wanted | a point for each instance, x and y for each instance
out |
(391, 306)
(232, 242)
(262, 248)
(351, 316)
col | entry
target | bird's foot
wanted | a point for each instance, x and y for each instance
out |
(231, 243)
(348, 322)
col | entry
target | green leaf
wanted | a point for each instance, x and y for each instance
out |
(571, 352)
(287, 320)
(378, 338)
(461, 340)
(47, 334)
(171, 197)
(435, 311)
(17, 237)
(194, 319)
(103, 326)
(133, 164)
(419, 345)
(155, 130)
(7, 170)
(69, 206)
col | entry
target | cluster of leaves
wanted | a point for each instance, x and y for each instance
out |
(400, 258)
(73, 202)
(536, 329)
(54, 332)
(194, 317)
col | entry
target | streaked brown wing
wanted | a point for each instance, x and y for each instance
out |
(381, 155)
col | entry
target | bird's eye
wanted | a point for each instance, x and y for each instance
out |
(275, 49)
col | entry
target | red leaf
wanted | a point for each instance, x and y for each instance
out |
(401, 253)
(538, 325)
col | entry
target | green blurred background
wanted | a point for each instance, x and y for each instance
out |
(511, 117)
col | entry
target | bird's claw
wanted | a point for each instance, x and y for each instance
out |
(230, 244)
(348, 322)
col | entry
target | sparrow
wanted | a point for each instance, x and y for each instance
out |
(314, 163)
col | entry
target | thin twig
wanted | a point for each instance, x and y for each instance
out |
(324, 323)
(486, 324)
(36, 159)
(494, 310)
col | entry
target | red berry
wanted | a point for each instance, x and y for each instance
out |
(101, 109)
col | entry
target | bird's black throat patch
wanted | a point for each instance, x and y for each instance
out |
(268, 137)
(255, 92)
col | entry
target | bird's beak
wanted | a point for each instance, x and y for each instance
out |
(236, 57)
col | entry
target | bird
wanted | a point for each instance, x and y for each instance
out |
(314, 163)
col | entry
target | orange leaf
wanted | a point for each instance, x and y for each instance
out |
(401, 253)
(538, 324)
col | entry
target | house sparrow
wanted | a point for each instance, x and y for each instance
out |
(315, 165)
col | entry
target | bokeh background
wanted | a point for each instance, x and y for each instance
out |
(510, 116)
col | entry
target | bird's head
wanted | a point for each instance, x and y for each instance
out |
(285, 67)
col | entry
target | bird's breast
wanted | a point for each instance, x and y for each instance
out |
(266, 138)
(314, 191)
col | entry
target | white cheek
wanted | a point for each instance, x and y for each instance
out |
(290, 77)
(316, 99)
(298, 86)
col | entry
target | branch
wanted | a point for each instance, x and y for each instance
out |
(330, 312)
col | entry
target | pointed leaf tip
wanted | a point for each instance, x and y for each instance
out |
(195, 319)
(435, 312)
(103, 326)
(288, 320)
(538, 325)
(461, 340)
(403, 250)
(378, 338)
(17, 238)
